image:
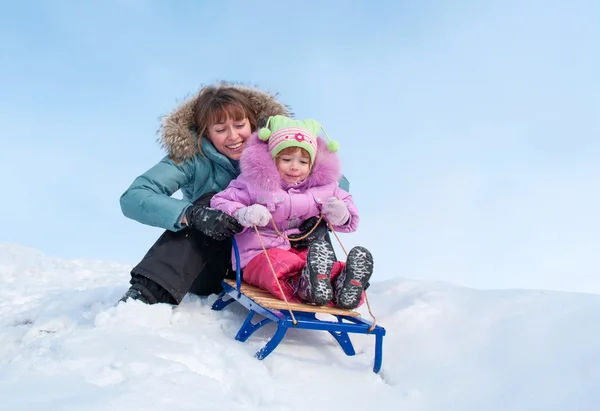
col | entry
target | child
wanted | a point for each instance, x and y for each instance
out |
(283, 182)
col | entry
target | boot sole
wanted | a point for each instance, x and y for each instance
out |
(359, 268)
(320, 260)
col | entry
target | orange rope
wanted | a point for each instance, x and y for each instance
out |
(299, 238)
(275, 275)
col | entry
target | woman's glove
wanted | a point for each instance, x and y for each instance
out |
(318, 234)
(255, 214)
(213, 223)
(335, 211)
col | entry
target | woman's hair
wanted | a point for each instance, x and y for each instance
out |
(293, 150)
(213, 106)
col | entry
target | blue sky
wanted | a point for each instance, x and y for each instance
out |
(469, 129)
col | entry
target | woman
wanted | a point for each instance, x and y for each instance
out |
(204, 138)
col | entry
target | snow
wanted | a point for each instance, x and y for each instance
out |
(66, 345)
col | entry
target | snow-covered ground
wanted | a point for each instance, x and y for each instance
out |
(64, 345)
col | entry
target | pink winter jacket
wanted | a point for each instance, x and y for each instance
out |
(260, 183)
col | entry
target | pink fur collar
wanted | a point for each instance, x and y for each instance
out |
(258, 166)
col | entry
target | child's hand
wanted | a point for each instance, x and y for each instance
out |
(335, 211)
(255, 214)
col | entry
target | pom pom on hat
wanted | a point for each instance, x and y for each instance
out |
(333, 145)
(315, 127)
(264, 134)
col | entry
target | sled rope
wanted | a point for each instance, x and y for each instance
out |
(364, 291)
(302, 238)
(275, 276)
(299, 238)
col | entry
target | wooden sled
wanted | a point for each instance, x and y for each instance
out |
(260, 302)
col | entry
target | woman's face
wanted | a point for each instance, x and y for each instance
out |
(229, 137)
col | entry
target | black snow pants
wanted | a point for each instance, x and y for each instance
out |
(187, 261)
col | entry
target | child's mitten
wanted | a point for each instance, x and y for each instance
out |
(255, 214)
(335, 211)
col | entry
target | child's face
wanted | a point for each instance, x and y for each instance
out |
(294, 167)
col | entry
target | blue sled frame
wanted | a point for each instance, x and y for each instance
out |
(339, 329)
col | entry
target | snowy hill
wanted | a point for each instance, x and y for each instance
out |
(65, 346)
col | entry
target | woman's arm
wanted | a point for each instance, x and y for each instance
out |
(148, 200)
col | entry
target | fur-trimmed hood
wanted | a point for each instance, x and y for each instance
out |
(177, 132)
(258, 166)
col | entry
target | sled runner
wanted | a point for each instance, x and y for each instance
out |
(294, 315)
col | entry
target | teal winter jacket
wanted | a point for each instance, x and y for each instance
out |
(148, 199)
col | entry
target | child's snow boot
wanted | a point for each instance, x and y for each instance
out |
(352, 281)
(314, 285)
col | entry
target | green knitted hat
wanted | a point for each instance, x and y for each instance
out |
(282, 132)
